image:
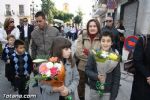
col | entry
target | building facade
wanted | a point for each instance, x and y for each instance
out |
(16, 9)
(135, 14)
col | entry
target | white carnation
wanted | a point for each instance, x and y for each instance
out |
(104, 55)
(58, 65)
(48, 73)
(49, 65)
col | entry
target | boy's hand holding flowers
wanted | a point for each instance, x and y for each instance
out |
(16, 76)
(8, 61)
(101, 78)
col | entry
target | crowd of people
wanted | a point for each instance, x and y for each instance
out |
(48, 40)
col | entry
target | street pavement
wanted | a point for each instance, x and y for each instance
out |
(6, 88)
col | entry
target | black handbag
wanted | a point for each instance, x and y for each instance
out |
(129, 64)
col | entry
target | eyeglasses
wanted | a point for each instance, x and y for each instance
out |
(11, 21)
(108, 20)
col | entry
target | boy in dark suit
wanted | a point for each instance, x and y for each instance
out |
(21, 63)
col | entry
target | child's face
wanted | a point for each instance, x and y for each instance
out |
(20, 49)
(11, 41)
(66, 52)
(106, 43)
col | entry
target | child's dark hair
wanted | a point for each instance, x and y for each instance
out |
(58, 44)
(107, 33)
(18, 42)
(10, 36)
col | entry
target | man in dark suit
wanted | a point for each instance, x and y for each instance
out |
(26, 31)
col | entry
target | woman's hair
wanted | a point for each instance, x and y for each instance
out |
(97, 24)
(7, 22)
(58, 45)
(106, 33)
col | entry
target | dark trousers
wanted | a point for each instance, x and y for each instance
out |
(61, 98)
(8, 73)
(81, 86)
(21, 84)
(26, 41)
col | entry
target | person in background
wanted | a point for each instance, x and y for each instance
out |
(66, 30)
(22, 67)
(42, 38)
(110, 27)
(7, 52)
(20, 24)
(120, 28)
(26, 30)
(141, 80)
(88, 40)
(3, 37)
(73, 32)
(10, 28)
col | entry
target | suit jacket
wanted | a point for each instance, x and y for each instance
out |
(22, 34)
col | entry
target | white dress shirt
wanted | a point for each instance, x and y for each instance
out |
(25, 31)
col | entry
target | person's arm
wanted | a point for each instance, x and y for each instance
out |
(12, 66)
(75, 81)
(2, 35)
(91, 63)
(120, 30)
(79, 48)
(16, 33)
(4, 58)
(33, 49)
(138, 57)
(116, 81)
(30, 68)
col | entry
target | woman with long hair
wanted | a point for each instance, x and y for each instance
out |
(10, 28)
(88, 40)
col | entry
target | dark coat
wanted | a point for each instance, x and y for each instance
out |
(140, 88)
(30, 29)
(113, 78)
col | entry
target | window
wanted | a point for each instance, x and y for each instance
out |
(8, 10)
(21, 10)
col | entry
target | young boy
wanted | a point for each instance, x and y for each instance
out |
(7, 52)
(106, 74)
(21, 63)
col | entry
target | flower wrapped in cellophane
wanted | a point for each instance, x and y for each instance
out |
(106, 62)
(102, 56)
(51, 72)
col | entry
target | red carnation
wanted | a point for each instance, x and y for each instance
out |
(54, 71)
